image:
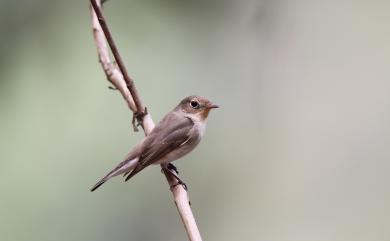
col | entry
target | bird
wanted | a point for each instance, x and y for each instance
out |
(177, 134)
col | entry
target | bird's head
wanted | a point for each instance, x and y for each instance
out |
(196, 106)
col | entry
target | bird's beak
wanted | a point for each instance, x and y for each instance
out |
(212, 106)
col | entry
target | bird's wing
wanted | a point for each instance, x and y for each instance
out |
(169, 134)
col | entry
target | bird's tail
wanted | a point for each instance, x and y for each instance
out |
(123, 167)
(97, 185)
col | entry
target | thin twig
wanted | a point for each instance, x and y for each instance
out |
(111, 70)
(118, 58)
(130, 93)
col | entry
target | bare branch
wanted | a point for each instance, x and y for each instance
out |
(121, 80)
(183, 206)
(113, 74)
(118, 58)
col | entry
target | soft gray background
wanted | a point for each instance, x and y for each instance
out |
(299, 150)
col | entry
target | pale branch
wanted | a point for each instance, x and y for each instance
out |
(118, 76)
(183, 206)
(118, 58)
(112, 72)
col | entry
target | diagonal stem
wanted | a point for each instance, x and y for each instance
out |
(118, 58)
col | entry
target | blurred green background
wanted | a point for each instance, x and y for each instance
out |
(299, 151)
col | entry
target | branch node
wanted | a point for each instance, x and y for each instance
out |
(138, 119)
(112, 88)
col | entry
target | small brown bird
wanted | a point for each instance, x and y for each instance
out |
(174, 136)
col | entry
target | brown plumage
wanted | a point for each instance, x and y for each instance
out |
(174, 136)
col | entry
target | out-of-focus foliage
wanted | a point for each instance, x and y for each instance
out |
(299, 150)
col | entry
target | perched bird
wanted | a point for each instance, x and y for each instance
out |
(174, 136)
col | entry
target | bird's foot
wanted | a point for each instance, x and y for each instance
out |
(172, 167)
(173, 171)
(179, 183)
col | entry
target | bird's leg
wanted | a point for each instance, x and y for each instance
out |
(172, 167)
(173, 172)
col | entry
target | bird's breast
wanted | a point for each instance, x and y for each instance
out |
(200, 127)
(193, 140)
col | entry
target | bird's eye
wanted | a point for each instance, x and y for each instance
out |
(194, 104)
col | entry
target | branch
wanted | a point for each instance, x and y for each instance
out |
(111, 70)
(119, 77)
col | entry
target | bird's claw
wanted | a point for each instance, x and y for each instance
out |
(180, 183)
(172, 167)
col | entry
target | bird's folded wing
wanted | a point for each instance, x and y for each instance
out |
(168, 135)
